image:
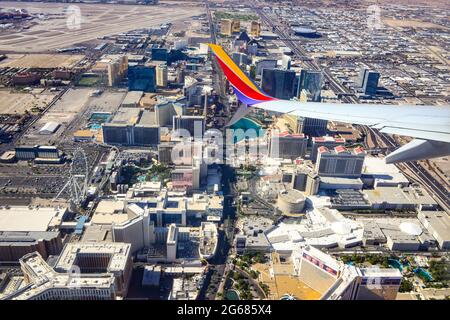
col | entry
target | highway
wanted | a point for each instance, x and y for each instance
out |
(300, 53)
(420, 174)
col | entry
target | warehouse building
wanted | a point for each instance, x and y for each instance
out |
(398, 234)
(49, 128)
(377, 173)
(43, 154)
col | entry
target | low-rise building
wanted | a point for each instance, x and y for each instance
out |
(438, 224)
(394, 198)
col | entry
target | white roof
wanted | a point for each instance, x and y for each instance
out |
(411, 228)
(341, 227)
(26, 219)
(49, 127)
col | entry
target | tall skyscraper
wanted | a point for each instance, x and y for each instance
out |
(117, 69)
(161, 76)
(160, 54)
(131, 126)
(287, 146)
(313, 127)
(195, 125)
(262, 64)
(255, 28)
(286, 62)
(310, 126)
(235, 26)
(361, 76)
(142, 78)
(325, 141)
(340, 162)
(338, 281)
(226, 27)
(240, 58)
(311, 81)
(172, 241)
(368, 81)
(278, 83)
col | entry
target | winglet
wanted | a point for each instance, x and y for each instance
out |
(244, 88)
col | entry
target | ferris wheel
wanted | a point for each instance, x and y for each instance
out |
(77, 182)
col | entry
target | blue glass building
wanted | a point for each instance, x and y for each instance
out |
(311, 81)
(142, 78)
(370, 82)
(278, 83)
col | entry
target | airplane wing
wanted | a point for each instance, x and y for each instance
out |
(429, 124)
(423, 122)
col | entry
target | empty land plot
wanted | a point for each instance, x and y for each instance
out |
(96, 21)
(18, 102)
(47, 61)
(396, 23)
(64, 111)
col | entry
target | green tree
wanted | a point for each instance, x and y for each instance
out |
(406, 285)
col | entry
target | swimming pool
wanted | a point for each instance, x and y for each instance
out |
(424, 274)
(232, 295)
(250, 128)
(100, 117)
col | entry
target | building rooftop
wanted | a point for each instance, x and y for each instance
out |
(437, 221)
(109, 207)
(132, 98)
(395, 195)
(321, 227)
(21, 218)
(328, 139)
(383, 172)
(292, 196)
(42, 277)
(97, 233)
(118, 254)
(126, 116)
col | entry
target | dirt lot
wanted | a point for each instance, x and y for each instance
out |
(412, 24)
(19, 102)
(53, 33)
(41, 61)
(64, 111)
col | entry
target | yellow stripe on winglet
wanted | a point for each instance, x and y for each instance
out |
(219, 52)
